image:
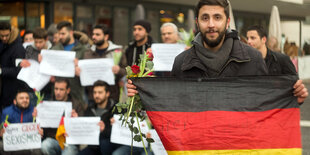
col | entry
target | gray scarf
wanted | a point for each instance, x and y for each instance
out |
(213, 61)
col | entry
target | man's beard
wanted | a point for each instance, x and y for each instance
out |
(100, 102)
(213, 43)
(100, 42)
(67, 40)
(20, 107)
(141, 39)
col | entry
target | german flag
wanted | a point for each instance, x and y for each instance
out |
(60, 134)
(228, 116)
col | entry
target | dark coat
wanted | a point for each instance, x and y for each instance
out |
(8, 55)
(105, 117)
(279, 64)
(243, 61)
(130, 51)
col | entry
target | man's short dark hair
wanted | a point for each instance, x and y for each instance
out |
(259, 29)
(102, 84)
(5, 26)
(65, 80)
(104, 28)
(21, 91)
(63, 24)
(222, 3)
(39, 33)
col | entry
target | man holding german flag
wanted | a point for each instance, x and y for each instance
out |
(217, 53)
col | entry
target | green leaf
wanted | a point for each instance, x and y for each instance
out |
(149, 65)
(128, 70)
(119, 109)
(150, 140)
(135, 130)
(137, 138)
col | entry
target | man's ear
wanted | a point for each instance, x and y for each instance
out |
(68, 91)
(108, 94)
(228, 22)
(14, 101)
(264, 40)
(196, 20)
(106, 37)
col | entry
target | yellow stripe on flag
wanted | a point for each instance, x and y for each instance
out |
(297, 151)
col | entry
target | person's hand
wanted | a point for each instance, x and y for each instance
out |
(116, 69)
(35, 112)
(40, 130)
(102, 126)
(24, 63)
(77, 68)
(131, 89)
(52, 79)
(74, 113)
(112, 120)
(2, 132)
(39, 58)
(300, 91)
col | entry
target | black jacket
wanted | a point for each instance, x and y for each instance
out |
(8, 55)
(243, 61)
(279, 64)
(105, 117)
(134, 50)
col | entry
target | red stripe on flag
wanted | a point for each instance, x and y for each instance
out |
(227, 130)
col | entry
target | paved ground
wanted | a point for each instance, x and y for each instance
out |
(305, 124)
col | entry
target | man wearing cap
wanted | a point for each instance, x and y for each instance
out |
(142, 41)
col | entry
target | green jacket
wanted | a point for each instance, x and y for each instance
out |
(77, 91)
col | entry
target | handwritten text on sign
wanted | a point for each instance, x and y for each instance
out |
(21, 136)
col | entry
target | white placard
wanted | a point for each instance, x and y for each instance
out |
(164, 55)
(21, 136)
(122, 135)
(32, 76)
(50, 113)
(157, 147)
(303, 67)
(82, 130)
(58, 63)
(96, 69)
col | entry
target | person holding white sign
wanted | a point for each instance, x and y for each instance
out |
(102, 107)
(67, 42)
(104, 48)
(19, 112)
(61, 93)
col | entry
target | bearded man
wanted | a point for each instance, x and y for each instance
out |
(104, 48)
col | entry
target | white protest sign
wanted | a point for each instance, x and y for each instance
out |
(21, 136)
(58, 63)
(157, 147)
(122, 135)
(50, 113)
(164, 55)
(96, 69)
(82, 130)
(32, 76)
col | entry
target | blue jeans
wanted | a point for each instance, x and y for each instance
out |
(126, 150)
(50, 146)
(105, 148)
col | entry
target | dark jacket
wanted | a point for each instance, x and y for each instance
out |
(243, 61)
(9, 53)
(77, 91)
(105, 117)
(134, 50)
(16, 115)
(279, 64)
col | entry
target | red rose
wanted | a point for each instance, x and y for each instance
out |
(149, 55)
(5, 125)
(34, 90)
(135, 69)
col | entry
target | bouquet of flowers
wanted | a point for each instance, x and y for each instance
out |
(133, 107)
(187, 37)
